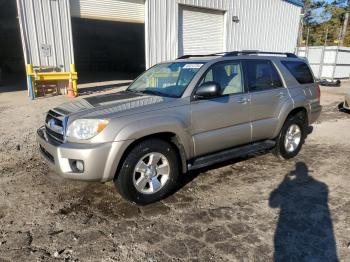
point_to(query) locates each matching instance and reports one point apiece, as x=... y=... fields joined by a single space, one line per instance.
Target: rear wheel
x=149 y=172
x=291 y=137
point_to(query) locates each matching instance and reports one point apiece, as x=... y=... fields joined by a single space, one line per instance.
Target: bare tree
x=345 y=25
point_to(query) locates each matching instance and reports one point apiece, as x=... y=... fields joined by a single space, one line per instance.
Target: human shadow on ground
x=304 y=230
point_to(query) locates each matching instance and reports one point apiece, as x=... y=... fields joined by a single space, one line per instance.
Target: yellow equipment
x=33 y=76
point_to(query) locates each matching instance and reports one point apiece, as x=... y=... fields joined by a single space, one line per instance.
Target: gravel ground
x=251 y=209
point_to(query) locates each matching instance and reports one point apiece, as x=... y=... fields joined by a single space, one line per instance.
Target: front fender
x=159 y=124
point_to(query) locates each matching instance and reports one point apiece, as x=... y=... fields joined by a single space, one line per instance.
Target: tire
x=286 y=150
x=144 y=181
x=342 y=109
x=341 y=106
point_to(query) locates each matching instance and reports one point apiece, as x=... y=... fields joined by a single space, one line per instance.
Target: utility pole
x=307 y=43
x=320 y=69
x=345 y=25
x=301 y=28
x=300 y=34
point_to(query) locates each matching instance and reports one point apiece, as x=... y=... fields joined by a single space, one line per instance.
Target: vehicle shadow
x=304 y=230
x=192 y=175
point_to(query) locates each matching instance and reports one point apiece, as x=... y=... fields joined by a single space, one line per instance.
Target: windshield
x=168 y=79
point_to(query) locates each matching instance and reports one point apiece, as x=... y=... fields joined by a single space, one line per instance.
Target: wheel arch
x=167 y=136
x=301 y=110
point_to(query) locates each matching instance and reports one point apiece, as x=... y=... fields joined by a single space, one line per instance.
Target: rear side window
x=300 y=71
x=261 y=75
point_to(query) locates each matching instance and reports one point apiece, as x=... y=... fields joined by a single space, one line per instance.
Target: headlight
x=86 y=128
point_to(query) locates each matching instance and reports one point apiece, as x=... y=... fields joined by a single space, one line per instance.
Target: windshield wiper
x=132 y=91
x=157 y=93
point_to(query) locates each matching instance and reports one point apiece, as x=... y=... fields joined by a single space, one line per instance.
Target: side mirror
x=208 y=90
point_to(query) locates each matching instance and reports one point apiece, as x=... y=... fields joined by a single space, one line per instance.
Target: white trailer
x=327 y=62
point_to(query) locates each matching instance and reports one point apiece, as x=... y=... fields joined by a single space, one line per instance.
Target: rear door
x=304 y=91
x=222 y=122
x=268 y=95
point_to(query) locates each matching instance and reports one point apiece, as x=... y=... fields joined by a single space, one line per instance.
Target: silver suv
x=183 y=115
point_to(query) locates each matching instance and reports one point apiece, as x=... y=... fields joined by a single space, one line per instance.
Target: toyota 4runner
x=183 y=115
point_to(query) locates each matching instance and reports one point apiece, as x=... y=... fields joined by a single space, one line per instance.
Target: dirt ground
x=252 y=209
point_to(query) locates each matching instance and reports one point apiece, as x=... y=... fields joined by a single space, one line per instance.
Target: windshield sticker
x=192 y=66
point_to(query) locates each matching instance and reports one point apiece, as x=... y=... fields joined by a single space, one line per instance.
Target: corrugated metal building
x=129 y=35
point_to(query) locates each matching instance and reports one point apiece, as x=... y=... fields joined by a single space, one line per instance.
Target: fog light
x=79 y=165
x=76 y=166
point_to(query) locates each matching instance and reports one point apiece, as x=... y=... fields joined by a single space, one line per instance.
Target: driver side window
x=228 y=76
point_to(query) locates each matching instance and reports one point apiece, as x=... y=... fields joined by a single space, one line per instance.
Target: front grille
x=55 y=125
x=54 y=135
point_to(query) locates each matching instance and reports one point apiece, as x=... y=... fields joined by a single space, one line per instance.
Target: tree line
x=325 y=23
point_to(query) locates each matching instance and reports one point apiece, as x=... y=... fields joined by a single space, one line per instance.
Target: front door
x=222 y=122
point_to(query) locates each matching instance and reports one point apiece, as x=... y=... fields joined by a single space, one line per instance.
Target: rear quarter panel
x=306 y=95
x=302 y=96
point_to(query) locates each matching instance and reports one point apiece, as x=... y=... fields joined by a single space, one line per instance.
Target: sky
x=318 y=12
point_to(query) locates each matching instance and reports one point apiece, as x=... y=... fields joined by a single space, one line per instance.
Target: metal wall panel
x=342 y=71
x=329 y=56
x=344 y=56
x=46 y=32
x=314 y=54
x=269 y=25
x=161 y=29
x=161 y=26
x=327 y=71
x=115 y=10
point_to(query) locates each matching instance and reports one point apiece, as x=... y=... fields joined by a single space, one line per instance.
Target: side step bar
x=228 y=154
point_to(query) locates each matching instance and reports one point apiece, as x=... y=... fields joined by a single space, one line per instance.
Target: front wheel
x=149 y=172
x=291 y=138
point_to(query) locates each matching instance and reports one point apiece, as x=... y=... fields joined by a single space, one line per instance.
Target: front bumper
x=100 y=160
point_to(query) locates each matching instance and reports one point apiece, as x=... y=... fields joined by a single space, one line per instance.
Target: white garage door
x=114 y=10
x=201 y=31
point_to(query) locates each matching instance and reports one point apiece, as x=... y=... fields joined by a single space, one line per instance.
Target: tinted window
x=261 y=75
x=228 y=76
x=300 y=71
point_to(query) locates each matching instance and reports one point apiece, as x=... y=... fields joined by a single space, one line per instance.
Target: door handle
x=281 y=94
x=243 y=100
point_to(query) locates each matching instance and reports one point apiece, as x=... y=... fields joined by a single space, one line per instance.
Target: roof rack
x=238 y=53
x=256 y=52
x=188 y=56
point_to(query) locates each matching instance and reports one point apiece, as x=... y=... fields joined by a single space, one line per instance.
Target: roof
x=233 y=55
x=236 y=53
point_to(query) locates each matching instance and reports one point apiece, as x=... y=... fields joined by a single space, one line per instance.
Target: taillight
x=318 y=90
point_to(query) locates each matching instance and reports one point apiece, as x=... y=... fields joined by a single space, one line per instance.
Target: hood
x=106 y=105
